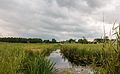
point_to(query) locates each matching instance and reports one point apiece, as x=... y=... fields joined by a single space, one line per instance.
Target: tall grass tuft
x=113 y=63
x=36 y=64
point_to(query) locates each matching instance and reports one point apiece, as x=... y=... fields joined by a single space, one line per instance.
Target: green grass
x=83 y=54
x=102 y=58
x=16 y=57
x=20 y=58
x=10 y=57
x=35 y=64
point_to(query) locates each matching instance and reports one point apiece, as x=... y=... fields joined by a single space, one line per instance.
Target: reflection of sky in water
x=56 y=57
x=62 y=63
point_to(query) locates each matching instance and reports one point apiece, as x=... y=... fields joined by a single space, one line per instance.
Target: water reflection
x=57 y=57
x=63 y=64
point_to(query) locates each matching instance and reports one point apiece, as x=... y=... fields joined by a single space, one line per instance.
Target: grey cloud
x=97 y=3
x=67 y=3
x=60 y=19
x=75 y=5
x=83 y=5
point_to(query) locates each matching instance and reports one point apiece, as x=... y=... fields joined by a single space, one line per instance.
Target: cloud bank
x=60 y=19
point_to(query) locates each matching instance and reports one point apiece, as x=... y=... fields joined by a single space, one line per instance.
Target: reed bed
x=16 y=58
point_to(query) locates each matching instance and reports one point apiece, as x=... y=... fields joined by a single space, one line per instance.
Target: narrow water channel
x=62 y=64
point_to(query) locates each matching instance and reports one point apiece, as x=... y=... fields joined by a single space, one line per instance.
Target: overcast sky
x=60 y=19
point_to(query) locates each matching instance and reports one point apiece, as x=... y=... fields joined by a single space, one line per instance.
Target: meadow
x=31 y=58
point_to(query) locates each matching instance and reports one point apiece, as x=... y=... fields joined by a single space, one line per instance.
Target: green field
x=20 y=58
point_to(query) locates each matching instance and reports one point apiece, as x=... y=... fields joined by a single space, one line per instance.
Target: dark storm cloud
x=60 y=19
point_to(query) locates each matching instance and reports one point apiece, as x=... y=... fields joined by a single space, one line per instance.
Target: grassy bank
x=102 y=58
x=31 y=58
x=25 y=59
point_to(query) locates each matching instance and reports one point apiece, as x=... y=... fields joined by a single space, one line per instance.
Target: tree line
x=26 y=40
x=39 y=40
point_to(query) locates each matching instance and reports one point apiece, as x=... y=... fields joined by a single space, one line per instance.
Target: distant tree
x=83 y=41
x=53 y=41
x=80 y=41
x=106 y=38
x=71 y=41
x=34 y=40
x=98 y=40
x=46 y=41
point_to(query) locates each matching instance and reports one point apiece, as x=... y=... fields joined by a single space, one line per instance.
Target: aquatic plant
x=36 y=64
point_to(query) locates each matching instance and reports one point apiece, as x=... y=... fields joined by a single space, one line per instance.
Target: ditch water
x=63 y=65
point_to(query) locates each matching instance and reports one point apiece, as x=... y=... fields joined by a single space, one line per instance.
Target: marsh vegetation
x=19 y=58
